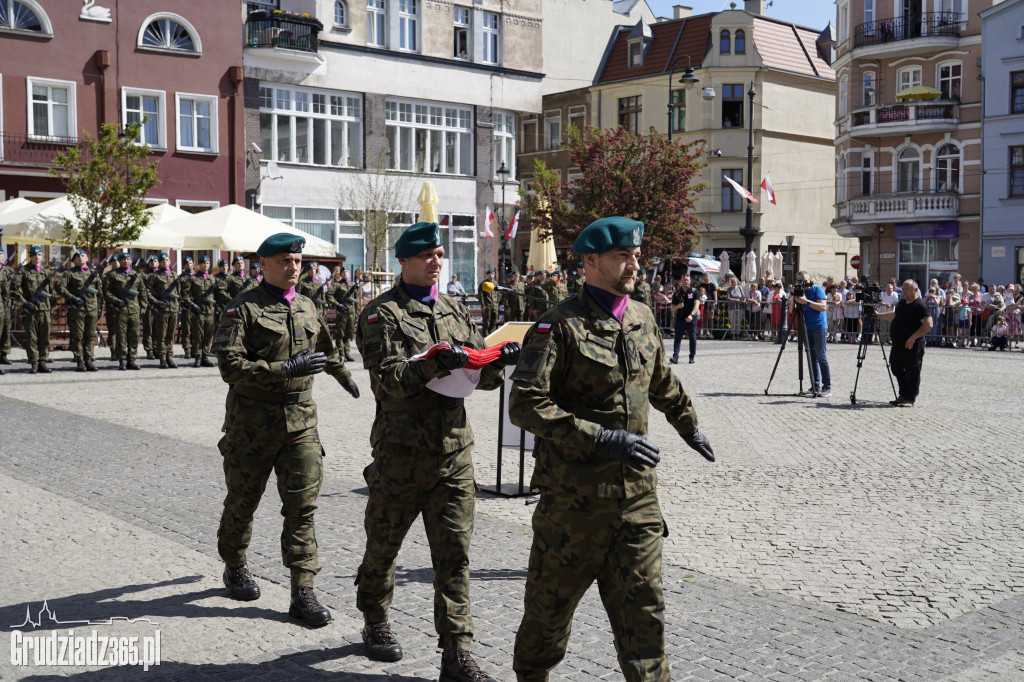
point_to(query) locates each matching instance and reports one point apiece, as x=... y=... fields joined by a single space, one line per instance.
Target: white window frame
x=635 y=54
x=432 y=119
x=907 y=74
x=869 y=88
x=936 y=170
x=552 y=137
x=183 y=204
x=504 y=140
x=897 y=176
x=844 y=23
x=841 y=180
x=844 y=88
x=869 y=16
x=197 y=43
x=578 y=111
x=161 y=105
x=343 y=6
x=461 y=27
x=491 y=35
x=375 y=9
x=959 y=80
x=32 y=81
x=346 y=101
x=44 y=21
x=214 y=101
x=408 y=26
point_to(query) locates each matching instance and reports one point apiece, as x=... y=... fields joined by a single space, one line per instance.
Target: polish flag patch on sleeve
x=229 y=312
x=544 y=328
x=371 y=318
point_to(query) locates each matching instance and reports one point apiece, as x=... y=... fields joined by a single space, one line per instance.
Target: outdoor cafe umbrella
x=542 y=251
x=920 y=92
x=236 y=228
x=428 y=203
x=14 y=205
x=749 y=267
x=724 y=270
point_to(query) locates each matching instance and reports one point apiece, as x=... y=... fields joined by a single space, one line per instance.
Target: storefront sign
x=999 y=252
x=887 y=256
x=935 y=230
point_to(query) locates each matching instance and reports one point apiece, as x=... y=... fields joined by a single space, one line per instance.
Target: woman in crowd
x=976 y=303
x=753 y=305
x=1014 y=304
x=735 y=296
x=834 y=303
x=777 y=301
x=934 y=302
x=952 y=315
x=851 y=311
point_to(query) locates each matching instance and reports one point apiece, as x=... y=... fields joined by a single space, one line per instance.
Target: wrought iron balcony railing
x=289 y=35
x=908 y=27
x=25 y=150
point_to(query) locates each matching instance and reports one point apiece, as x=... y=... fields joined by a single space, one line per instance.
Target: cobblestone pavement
x=830 y=541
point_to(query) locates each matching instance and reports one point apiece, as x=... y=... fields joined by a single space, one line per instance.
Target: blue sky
x=811 y=13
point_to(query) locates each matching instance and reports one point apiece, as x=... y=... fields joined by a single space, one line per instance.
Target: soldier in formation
x=422 y=450
x=592 y=367
x=514 y=299
x=145 y=317
x=270 y=343
x=6 y=283
x=185 y=307
x=309 y=287
x=163 y=287
x=33 y=288
x=121 y=295
x=201 y=294
x=81 y=291
x=344 y=296
x=235 y=282
x=489 y=303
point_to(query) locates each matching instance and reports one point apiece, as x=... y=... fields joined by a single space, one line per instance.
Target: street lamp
x=689 y=78
x=503 y=174
x=749 y=232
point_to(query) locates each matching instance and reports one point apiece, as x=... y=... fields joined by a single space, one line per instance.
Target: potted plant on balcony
x=292 y=17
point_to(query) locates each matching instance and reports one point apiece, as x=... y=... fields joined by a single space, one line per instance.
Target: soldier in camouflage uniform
x=489 y=303
x=642 y=290
x=109 y=311
x=309 y=287
x=270 y=343
x=163 y=290
x=536 y=304
x=83 y=309
x=201 y=292
x=121 y=291
x=575 y=284
x=220 y=291
x=236 y=281
x=514 y=299
x=422 y=445
x=590 y=369
x=185 y=307
x=6 y=276
x=35 y=316
x=343 y=295
x=145 y=312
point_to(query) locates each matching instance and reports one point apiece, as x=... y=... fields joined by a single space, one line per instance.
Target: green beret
x=113 y=258
x=311 y=265
x=238 y=259
x=163 y=254
x=609 y=233
x=221 y=262
x=151 y=258
x=123 y=255
x=515 y=271
x=490 y=271
x=542 y=272
x=204 y=259
x=34 y=250
x=188 y=259
x=282 y=242
x=254 y=266
x=81 y=252
x=417 y=238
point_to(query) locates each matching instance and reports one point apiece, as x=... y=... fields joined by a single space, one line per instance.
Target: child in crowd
x=851 y=311
x=1000 y=334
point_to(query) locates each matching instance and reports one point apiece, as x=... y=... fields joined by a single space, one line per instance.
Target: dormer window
x=636 y=53
x=637 y=42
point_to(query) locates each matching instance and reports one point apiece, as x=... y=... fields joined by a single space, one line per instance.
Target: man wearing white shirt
x=889 y=299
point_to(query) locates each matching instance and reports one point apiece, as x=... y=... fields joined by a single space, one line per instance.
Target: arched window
x=740 y=46
x=24 y=15
x=909 y=171
x=723 y=42
x=169 y=32
x=947 y=169
x=341 y=13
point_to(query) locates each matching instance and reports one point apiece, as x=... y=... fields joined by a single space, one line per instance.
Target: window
x=505 y=143
x=552 y=130
x=197 y=122
x=1017 y=92
x=429 y=138
x=740 y=44
x=869 y=88
x=16 y=15
x=351 y=243
x=843 y=102
x=947 y=169
x=844 y=22
x=578 y=117
x=732 y=201
x=952 y=11
x=341 y=13
x=867 y=180
x=636 y=54
x=407 y=25
x=732 y=106
x=630 y=111
x=1016 y=171
x=841 y=181
x=376 y=27
x=909 y=171
x=52 y=110
x=724 y=40
x=146 y=107
x=318 y=127
x=678 y=110
x=461 y=49
x=169 y=32
x=492 y=43
x=949 y=80
x=529 y=141
x=908 y=78
x=869 y=17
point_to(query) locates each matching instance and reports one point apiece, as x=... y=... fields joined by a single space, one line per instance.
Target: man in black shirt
x=686 y=304
x=911 y=321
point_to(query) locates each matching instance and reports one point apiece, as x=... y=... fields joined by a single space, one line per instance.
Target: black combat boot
x=305 y=606
x=196 y=361
x=349 y=358
x=170 y=362
x=33 y=367
x=131 y=365
x=459 y=666
x=240 y=584
x=4 y=360
x=120 y=365
x=81 y=366
x=43 y=369
x=149 y=355
x=206 y=362
x=89 y=366
x=163 y=363
x=381 y=642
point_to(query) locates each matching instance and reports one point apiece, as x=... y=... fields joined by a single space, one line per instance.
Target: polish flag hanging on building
x=487 y=223
x=513 y=227
x=766 y=185
x=741 y=189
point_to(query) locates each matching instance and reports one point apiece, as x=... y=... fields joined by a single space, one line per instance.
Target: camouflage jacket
x=115 y=287
x=488 y=299
x=220 y=292
x=70 y=284
x=644 y=289
x=157 y=285
x=574 y=284
x=581 y=370
x=337 y=291
x=312 y=290
x=233 y=284
x=537 y=292
x=257 y=333
x=393 y=327
x=512 y=301
x=6 y=280
x=27 y=280
x=199 y=285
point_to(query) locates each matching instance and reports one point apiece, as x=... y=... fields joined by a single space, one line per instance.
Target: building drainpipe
x=236 y=75
x=102 y=60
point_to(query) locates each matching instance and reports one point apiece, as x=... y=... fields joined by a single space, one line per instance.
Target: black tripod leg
x=888 y=370
x=802 y=340
x=785 y=331
x=861 y=354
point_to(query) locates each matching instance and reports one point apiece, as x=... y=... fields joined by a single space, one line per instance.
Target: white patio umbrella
x=749 y=267
x=777 y=265
x=14 y=205
x=41 y=223
x=235 y=228
x=161 y=214
x=724 y=270
x=767 y=264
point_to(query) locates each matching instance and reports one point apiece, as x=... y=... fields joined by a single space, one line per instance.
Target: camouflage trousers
x=344 y=325
x=490 y=320
x=113 y=330
x=202 y=334
x=146 y=319
x=5 y=330
x=163 y=323
x=186 y=332
x=577 y=540
x=255 y=444
x=37 y=335
x=404 y=482
x=127 y=335
x=82 y=329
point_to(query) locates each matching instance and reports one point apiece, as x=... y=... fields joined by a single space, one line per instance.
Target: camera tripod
x=869 y=331
x=803 y=348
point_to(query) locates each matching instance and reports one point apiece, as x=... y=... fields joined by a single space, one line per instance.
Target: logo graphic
x=636 y=236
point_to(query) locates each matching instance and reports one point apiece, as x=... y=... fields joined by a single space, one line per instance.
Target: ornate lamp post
x=503 y=174
x=749 y=232
x=689 y=78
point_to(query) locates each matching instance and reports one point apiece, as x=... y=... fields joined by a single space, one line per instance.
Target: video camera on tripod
x=869 y=295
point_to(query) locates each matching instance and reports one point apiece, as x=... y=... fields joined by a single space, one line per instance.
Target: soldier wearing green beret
x=537 y=303
x=121 y=291
x=344 y=296
x=34 y=276
x=234 y=282
x=422 y=445
x=164 y=297
x=590 y=370
x=575 y=284
x=514 y=298
x=110 y=313
x=202 y=293
x=270 y=343
x=642 y=291
x=185 y=307
x=489 y=303
x=145 y=312
x=309 y=286
x=83 y=309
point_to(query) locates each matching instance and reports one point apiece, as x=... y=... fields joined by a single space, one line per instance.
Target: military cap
x=204 y=259
x=112 y=258
x=123 y=256
x=605 y=234
x=515 y=271
x=580 y=264
x=238 y=259
x=152 y=258
x=254 y=266
x=34 y=250
x=311 y=265
x=490 y=271
x=187 y=259
x=221 y=262
x=417 y=238
x=81 y=252
x=542 y=272
x=164 y=254
x=282 y=242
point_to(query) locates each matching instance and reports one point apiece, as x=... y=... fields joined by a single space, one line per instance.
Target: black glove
x=699 y=442
x=29 y=306
x=196 y=309
x=120 y=303
x=343 y=307
x=639 y=297
x=304 y=363
x=351 y=387
x=452 y=358
x=509 y=354
x=78 y=301
x=160 y=305
x=623 y=446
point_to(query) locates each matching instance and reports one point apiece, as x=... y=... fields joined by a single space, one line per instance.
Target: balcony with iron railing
x=32 y=151
x=284 y=37
x=903 y=34
x=911 y=206
x=904 y=117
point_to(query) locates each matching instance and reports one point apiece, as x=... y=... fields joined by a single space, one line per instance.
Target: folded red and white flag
x=487 y=223
x=460 y=382
x=769 y=191
x=741 y=189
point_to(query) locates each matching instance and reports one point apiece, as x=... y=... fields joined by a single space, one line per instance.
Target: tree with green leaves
x=106 y=179
x=650 y=179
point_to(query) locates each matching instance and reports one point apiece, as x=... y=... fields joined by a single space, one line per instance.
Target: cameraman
x=910 y=322
x=812 y=302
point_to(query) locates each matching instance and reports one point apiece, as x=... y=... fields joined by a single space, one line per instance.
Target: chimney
x=681 y=11
x=755 y=7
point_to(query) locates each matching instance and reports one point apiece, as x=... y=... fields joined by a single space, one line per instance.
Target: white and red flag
x=741 y=189
x=487 y=223
x=510 y=233
x=769 y=191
